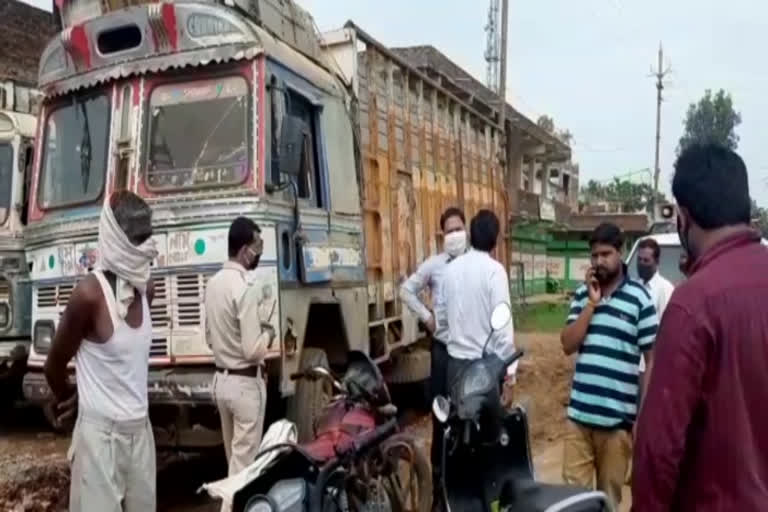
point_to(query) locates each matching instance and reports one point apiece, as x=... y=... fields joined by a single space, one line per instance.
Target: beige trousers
x=242 y=403
x=112 y=465
x=597 y=455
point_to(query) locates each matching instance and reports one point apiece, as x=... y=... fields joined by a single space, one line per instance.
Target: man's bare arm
x=573 y=335
x=74 y=326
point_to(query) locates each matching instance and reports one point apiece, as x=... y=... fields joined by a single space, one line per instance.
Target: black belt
x=251 y=371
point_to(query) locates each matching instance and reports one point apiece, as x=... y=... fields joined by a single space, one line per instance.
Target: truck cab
x=17 y=133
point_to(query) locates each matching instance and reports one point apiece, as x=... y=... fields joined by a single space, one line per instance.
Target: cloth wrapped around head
x=126 y=247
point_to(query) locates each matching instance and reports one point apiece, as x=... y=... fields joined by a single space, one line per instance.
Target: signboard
x=546 y=209
x=578 y=268
x=539 y=266
x=556 y=267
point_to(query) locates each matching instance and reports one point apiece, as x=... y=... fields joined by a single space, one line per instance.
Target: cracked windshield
x=75 y=152
x=198 y=134
x=6 y=179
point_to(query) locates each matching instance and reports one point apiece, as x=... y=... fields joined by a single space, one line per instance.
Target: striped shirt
x=605 y=383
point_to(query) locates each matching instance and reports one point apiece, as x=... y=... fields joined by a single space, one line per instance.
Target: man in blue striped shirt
x=611 y=324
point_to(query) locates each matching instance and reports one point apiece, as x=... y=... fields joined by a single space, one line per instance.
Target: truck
x=342 y=152
x=17 y=131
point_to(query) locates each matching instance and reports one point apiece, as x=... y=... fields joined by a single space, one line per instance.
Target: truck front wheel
x=310 y=397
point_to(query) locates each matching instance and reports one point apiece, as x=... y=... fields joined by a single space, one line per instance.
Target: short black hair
x=609 y=234
x=650 y=243
x=133 y=215
x=484 y=231
x=451 y=212
x=241 y=234
x=711 y=183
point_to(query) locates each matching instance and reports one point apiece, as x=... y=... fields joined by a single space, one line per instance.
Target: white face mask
x=455 y=243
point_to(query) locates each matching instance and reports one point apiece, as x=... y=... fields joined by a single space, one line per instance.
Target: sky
x=587 y=63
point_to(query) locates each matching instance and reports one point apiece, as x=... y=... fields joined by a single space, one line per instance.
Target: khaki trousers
x=112 y=465
x=242 y=403
x=597 y=458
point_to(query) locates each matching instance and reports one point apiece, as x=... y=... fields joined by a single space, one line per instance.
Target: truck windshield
x=198 y=134
x=6 y=175
x=75 y=152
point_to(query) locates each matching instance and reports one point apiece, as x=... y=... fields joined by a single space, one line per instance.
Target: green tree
x=760 y=218
x=632 y=196
x=712 y=120
x=546 y=123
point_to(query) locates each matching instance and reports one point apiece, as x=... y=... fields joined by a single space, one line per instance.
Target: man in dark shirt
x=702 y=440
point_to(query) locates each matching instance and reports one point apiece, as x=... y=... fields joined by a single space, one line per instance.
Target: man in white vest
x=107 y=328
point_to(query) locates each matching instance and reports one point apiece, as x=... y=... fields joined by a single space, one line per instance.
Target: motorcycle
x=479 y=433
x=354 y=462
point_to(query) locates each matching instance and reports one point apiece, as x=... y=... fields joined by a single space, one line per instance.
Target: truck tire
x=410 y=366
x=310 y=397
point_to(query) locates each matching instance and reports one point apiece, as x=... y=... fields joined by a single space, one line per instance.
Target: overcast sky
x=586 y=63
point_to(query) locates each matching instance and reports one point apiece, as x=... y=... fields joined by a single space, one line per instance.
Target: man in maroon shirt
x=702 y=439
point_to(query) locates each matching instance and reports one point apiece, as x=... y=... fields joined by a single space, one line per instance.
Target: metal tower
x=492 y=47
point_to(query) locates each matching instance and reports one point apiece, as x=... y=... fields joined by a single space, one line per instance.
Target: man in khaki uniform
x=239 y=340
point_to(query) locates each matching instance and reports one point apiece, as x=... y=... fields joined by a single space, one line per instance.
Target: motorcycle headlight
x=477 y=380
x=288 y=493
x=259 y=504
x=5 y=315
x=43 y=336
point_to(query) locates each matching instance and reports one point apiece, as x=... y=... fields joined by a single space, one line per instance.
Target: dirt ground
x=34 y=474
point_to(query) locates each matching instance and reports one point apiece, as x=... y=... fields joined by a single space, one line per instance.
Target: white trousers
x=242 y=404
x=113 y=465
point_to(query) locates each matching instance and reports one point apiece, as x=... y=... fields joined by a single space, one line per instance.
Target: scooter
x=352 y=464
x=486 y=462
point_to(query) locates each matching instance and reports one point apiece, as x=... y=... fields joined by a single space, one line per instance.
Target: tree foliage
x=546 y=123
x=631 y=196
x=712 y=120
x=760 y=218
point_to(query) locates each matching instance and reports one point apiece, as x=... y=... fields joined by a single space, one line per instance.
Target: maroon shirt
x=702 y=440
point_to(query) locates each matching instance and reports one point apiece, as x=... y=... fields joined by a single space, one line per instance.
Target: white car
x=669 y=258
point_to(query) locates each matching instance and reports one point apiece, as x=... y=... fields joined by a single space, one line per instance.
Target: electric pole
x=503 y=64
x=659 y=73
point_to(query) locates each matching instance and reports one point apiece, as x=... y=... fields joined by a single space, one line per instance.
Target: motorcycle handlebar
x=377 y=436
x=514 y=357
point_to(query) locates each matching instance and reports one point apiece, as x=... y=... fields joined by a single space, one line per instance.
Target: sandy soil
x=34 y=474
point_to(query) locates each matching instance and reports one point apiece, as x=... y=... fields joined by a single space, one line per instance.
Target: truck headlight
x=5 y=315
x=43 y=336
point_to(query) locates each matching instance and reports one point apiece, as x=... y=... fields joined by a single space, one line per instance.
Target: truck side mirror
x=292 y=138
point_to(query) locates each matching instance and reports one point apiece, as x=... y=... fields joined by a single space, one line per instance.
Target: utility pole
x=659 y=73
x=503 y=64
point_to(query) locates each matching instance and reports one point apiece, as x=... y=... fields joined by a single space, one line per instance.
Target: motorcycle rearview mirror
x=501 y=316
x=441 y=407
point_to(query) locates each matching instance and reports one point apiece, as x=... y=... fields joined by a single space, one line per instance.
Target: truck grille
x=55 y=295
x=5 y=290
x=177 y=304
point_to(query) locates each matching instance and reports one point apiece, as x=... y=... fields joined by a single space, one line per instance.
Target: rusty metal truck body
x=185 y=104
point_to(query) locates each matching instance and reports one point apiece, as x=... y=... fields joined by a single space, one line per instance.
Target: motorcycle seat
x=531 y=496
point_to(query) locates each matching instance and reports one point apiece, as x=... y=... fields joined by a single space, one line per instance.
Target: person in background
x=239 y=338
x=107 y=328
x=611 y=325
x=701 y=440
x=648 y=256
x=430 y=275
x=474 y=285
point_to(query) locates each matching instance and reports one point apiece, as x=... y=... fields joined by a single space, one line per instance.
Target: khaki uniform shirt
x=233 y=324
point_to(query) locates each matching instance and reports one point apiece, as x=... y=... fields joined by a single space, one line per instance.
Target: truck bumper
x=165 y=387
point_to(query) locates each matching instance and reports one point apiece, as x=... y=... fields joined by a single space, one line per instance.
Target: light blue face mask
x=455 y=243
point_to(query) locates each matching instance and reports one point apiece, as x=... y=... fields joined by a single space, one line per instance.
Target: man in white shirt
x=648 y=256
x=239 y=338
x=474 y=284
x=430 y=275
